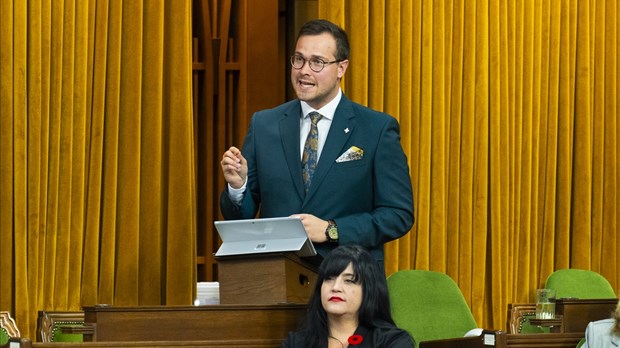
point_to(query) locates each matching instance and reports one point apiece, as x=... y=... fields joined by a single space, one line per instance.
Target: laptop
x=266 y=235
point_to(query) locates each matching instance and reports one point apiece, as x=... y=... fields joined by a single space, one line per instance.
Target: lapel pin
x=346 y=130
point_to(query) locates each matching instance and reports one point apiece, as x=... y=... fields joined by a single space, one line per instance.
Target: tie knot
x=315 y=117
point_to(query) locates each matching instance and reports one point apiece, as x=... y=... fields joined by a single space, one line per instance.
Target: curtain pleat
x=19 y=148
x=96 y=151
x=151 y=178
x=180 y=200
x=129 y=114
x=508 y=113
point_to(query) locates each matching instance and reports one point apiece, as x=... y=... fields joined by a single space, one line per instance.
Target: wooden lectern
x=262 y=298
x=271 y=278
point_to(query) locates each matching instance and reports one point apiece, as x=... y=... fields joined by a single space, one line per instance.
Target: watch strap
x=331 y=232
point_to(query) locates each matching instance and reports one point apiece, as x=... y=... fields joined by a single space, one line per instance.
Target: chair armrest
x=488 y=338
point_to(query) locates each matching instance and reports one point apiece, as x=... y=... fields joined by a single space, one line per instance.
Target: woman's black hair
x=375 y=307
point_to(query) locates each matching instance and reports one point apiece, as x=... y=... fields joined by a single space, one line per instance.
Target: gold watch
x=332 y=231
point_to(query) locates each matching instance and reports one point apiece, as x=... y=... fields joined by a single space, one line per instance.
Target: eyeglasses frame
x=308 y=60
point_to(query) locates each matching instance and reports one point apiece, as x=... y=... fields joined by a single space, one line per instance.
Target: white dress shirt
x=325 y=122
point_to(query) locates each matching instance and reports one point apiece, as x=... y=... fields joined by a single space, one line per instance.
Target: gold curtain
x=508 y=112
x=96 y=152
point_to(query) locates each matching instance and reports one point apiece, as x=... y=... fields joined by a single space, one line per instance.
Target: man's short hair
x=320 y=26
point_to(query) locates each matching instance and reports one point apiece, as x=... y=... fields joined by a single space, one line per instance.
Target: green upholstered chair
x=429 y=305
x=8 y=328
x=519 y=315
x=4 y=336
x=579 y=283
x=50 y=326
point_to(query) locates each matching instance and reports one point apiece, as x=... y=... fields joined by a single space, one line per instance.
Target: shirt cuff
x=236 y=195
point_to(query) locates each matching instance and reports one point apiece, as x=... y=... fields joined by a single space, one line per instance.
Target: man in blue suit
x=346 y=176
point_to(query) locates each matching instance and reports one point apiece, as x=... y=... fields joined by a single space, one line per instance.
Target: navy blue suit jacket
x=370 y=199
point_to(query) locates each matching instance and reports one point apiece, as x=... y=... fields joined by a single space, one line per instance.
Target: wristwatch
x=331 y=232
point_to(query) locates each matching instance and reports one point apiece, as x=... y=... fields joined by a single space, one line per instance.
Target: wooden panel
x=269 y=278
x=239 y=65
x=577 y=313
x=184 y=323
x=573 y=314
x=487 y=339
x=171 y=344
x=545 y=340
x=560 y=340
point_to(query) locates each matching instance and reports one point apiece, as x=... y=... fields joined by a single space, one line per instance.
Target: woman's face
x=340 y=295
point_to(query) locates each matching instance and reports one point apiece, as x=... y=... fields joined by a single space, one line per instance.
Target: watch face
x=333 y=233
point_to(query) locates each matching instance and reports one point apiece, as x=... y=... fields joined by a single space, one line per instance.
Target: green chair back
x=50 y=326
x=59 y=336
x=429 y=305
x=579 y=283
x=4 y=336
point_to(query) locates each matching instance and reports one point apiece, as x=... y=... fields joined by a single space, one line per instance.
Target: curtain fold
x=508 y=114
x=97 y=176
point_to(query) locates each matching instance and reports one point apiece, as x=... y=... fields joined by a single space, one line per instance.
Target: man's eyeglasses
x=316 y=64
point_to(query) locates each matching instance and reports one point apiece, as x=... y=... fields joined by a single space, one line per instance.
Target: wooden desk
x=544 y=340
x=237 y=323
x=487 y=339
x=503 y=340
x=577 y=313
x=559 y=340
x=159 y=344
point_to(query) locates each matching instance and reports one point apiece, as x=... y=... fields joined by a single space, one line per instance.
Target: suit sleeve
x=249 y=204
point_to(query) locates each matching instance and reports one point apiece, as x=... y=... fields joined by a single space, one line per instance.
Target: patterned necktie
x=309 y=158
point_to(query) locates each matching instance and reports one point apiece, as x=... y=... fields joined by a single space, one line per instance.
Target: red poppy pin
x=355 y=340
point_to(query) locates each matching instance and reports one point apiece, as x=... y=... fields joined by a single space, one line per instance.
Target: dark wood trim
x=237 y=70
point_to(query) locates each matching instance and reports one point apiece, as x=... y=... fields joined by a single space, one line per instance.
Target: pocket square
x=354 y=153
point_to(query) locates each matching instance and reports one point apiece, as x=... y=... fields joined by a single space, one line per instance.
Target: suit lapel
x=289 y=131
x=340 y=131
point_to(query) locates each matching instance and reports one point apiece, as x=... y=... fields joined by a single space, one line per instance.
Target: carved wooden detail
x=49 y=322
x=8 y=324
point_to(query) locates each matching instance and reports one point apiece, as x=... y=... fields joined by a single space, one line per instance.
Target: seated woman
x=604 y=333
x=350 y=306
